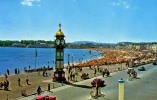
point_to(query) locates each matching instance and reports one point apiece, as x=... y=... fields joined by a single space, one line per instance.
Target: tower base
x=59 y=76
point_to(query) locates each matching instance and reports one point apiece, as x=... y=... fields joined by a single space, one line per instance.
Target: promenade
x=35 y=80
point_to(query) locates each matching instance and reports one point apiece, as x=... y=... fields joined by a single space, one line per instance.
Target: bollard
x=53 y=85
x=49 y=87
x=7 y=97
x=121 y=89
x=62 y=83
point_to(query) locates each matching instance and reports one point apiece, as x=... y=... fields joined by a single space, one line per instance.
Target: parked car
x=155 y=63
x=99 y=81
x=44 y=97
x=141 y=68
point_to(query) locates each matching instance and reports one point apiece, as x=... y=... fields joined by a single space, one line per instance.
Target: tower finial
x=60 y=26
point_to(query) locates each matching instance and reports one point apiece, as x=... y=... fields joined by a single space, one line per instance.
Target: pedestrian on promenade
x=25 y=69
x=103 y=73
x=38 y=73
x=46 y=74
x=19 y=80
x=29 y=67
x=108 y=73
x=71 y=76
x=18 y=71
x=98 y=68
x=15 y=71
x=5 y=76
x=6 y=85
x=39 y=90
x=27 y=79
x=7 y=71
x=95 y=71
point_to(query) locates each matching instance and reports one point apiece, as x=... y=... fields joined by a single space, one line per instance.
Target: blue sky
x=105 y=21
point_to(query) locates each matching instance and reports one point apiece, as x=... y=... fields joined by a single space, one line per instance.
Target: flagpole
x=35 y=57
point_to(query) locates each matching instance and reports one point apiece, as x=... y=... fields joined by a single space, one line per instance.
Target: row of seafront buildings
x=37 y=45
x=138 y=47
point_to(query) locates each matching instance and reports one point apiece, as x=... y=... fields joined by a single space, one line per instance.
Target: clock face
x=57 y=41
x=62 y=41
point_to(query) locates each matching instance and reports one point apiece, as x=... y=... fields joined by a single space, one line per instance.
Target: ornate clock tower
x=59 y=74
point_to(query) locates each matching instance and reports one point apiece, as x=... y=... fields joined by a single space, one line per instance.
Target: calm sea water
x=11 y=58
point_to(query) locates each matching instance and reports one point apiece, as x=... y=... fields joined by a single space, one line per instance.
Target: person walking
x=19 y=80
x=6 y=77
x=7 y=85
x=18 y=71
x=103 y=73
x=27 y=79
x=94 y=71
x=29 y=67
x=108 y=73
x=7 y=71
x=39 y=90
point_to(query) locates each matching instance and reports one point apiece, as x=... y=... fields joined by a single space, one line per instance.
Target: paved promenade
x=141 y=88
x=36 y=80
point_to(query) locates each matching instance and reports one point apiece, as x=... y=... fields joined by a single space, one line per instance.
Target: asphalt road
x=143 y=88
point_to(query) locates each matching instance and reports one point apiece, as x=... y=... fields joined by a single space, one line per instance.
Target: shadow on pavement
x=5 y=90
x=76 y=85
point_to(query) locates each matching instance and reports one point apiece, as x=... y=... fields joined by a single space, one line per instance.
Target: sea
x=11 y=58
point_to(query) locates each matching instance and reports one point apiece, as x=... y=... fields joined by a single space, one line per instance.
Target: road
x=143 y=88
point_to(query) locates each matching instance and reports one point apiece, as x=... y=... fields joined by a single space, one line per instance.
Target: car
x=44 y=97
x=155 y=63
x=141 y=68
x=99 y=81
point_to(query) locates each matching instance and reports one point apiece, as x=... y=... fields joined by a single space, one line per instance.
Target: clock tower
x=59 y=74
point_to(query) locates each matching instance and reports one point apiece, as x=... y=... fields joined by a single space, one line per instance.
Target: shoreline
x=21 y=68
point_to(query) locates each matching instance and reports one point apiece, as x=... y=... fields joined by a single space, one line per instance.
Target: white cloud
x=121 y=3
x=29 y=2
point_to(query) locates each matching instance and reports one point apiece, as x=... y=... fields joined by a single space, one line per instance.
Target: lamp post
x=68 y=65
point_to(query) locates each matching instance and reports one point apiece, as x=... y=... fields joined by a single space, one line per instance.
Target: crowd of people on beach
x=112 y=57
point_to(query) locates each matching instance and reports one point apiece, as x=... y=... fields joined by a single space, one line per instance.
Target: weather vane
x=60 y=26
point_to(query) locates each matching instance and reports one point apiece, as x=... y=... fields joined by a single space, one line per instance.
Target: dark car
x=99 y=81
x=155 y=63
x=141 y=68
